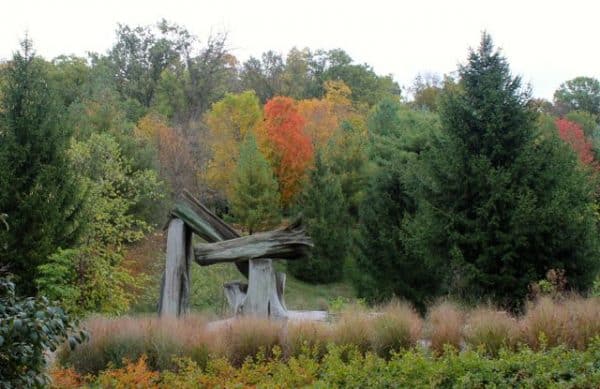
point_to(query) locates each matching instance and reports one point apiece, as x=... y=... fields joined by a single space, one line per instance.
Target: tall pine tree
x=37 y=190
x=325 y=212
x=254 y=199
x=499 y=203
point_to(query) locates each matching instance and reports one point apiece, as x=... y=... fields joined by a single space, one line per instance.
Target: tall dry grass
x=445 y=324
x=242 y=339
x=307 y=337
x=354 y=327
x=491 y=329
x=572 y=321
x=113 y=340
x=398 y=327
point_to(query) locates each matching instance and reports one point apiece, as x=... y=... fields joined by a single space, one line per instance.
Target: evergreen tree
x=255 y=199
x=347 y=158
x=326 y=216
x=386 y=265
x=37 y=190
x=500 y=203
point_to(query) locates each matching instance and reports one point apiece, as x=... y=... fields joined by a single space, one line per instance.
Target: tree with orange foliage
x=287 y=147
x=572 y=133
x=320 y=120
x=323 y=117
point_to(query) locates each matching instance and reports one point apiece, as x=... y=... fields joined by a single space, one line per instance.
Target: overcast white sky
x=546 y=42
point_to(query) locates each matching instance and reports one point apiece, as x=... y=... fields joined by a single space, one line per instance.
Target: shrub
x=491 y=329
x=29 y=328
x=445 y=322
x=132 y=375
x=345 y=366
x=62 y=378
x=397 y=327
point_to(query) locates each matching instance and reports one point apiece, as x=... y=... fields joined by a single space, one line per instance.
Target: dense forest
x=460 y=185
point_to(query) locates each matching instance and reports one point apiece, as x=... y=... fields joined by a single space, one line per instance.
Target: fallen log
x=287 y=243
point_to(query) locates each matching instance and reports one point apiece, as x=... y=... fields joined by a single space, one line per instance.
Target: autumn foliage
x=174 y=153
x=288 y=147
x=572 y=133
x=228 y=121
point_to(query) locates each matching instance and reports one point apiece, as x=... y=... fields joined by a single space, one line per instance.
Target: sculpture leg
x=262 y=298
x=175 y=289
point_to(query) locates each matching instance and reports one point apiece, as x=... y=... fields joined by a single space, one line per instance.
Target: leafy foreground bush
x=28 y=329
x=346 y=366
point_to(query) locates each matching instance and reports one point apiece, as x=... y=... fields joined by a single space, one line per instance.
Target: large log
x=206 y=224
x=287 y=243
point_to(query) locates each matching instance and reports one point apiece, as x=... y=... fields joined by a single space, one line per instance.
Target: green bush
x=346 y=366
x=28 y=329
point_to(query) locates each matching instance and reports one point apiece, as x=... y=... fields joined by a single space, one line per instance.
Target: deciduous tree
x=572 y=134
x=580 y=93
x=229 y=121
x=287 y=146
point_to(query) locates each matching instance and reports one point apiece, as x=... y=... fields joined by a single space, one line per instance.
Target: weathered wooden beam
x=206 y=224
x=175 y=286
x=224 y=230
x=287 y=243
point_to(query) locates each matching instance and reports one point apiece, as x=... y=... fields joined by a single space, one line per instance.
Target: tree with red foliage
x=287 y=147
x=572 y=133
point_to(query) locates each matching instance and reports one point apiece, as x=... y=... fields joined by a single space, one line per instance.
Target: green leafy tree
x=142 y=53
x=426 y=90
x=255 y=202
x=368 y=88
x=38 y=191
x=325 y=212
x=578 y=94
x=264 y=76
x=499 y=202
x=92 y=276
x=387 y=264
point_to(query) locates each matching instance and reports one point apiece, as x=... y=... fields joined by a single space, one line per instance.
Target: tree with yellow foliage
x=229 y=120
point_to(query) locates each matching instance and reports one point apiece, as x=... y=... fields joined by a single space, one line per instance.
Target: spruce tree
x=255 y=201
x=386 y=264
x=499 y=202
x=325 y=213
x=37 y=191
